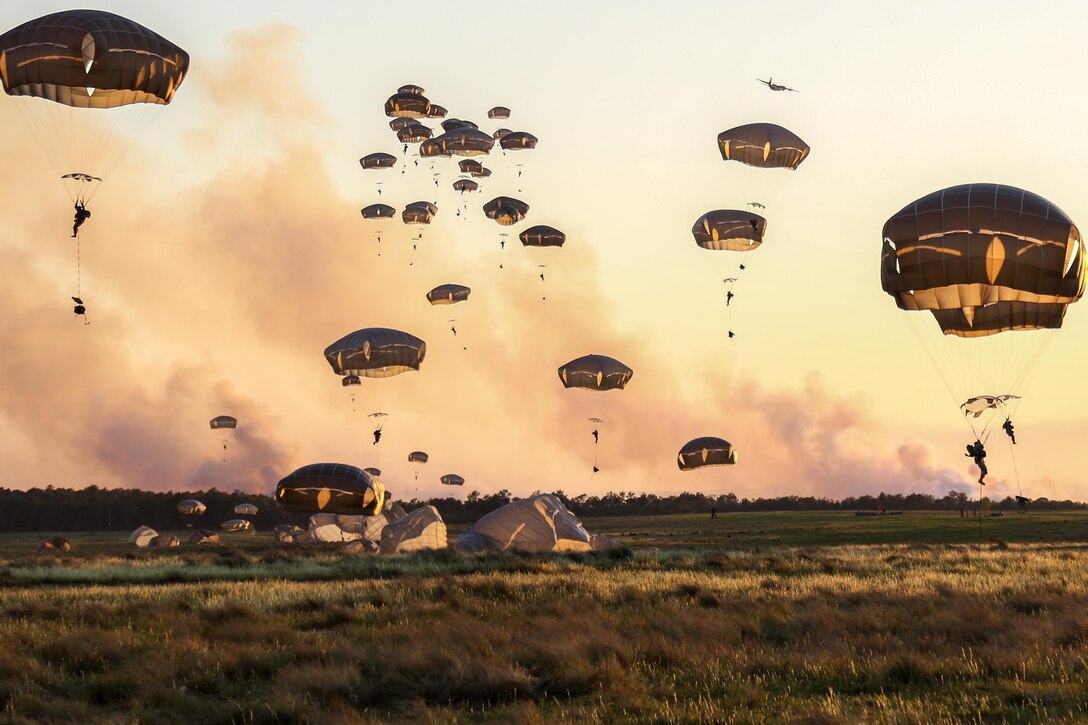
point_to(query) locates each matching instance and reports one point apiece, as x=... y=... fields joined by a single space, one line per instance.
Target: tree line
x=124 y=509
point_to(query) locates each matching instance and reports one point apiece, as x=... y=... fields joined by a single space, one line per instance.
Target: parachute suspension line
x=79 y=290
x=1015 y=469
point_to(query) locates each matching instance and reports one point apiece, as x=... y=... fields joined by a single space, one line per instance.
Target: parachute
x=764 y=145
x=407 y=105
x=437 y=112
x=465 y=142
x=245 y=509
x=335 y=488
x=500 y=133
x=463 y=185
x=397 y=124
x=538 y=524
x=499 y=112
x=472 y=167
x=453 y=124
x=517 y=141
x=225 y=422
x=432 y=148
x=595 y=372
x=236 y=525
x=418 y=457
x=419 y=212
x=191 y=507
x=705 y=452
x=411 y=88
x=729 y=230
x=374 y=472
x=378 y=160
x=506 y=210
x=414 y=133
x=448 y=294
x=422 y=529
x=378 y=211
x=995 y=267
x=542 y=236
x=376 y=352
x=452 y=479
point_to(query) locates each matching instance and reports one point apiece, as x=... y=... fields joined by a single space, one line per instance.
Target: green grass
x=749 y=618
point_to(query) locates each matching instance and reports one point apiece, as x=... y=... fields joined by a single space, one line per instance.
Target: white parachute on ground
x=419 y=530
x=142 y=536
x=236 y=525
x=538 y=524
x=164 y=541
x=340 y=528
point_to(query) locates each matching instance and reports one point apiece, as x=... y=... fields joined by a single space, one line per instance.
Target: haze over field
x=226 y=251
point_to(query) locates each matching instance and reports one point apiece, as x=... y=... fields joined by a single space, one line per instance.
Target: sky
x=226 y=250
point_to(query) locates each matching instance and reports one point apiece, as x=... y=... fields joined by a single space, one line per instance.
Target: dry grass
x=895 y=634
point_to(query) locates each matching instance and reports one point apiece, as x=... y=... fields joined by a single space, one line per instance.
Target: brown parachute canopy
x=1001 y=317
x=90 y=59
x=191 y=507
x=398 y=123
x=452 y=479
x=707 y=451
x=378 y=160
x=349 y=380
x=411 y=88
x=518 y=140
x=378 y=211
x=448 y=294
x=506 y=210
x=223 y=421
x=500 y=133
x=729 y=230
x=376 y=352
x=335 y=488
x=414 y=133
x=418 y=457
x=500 y=112
x=969 y=247
x=471 y=167
x=452 y=124
x=437 y=112
x=465 y=142
x=463 y=185
x=542 y=236
x=419 y=212
x=595 y=372
x=433 y=148
x=764 y=145
x=407 y=105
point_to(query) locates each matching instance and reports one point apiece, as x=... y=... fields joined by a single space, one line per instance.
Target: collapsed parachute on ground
x=448 y=294
x=378 y=211
x=55 y=543
x=506 y=210
x=452 y=479
x=236 y=525
x=704 y=452
x=376 y=352
x=542 y=236
x=142 y=536
x=335 y=488
x=191 y=507
x=419 y=212
x=595 y=372
x=538 y=524
x=164 y=541
x=729 y=230
x=421 y=529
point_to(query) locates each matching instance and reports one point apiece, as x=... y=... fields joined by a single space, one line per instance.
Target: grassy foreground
x=786 y=620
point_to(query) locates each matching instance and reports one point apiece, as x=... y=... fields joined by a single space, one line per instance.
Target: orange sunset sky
x=226 y=250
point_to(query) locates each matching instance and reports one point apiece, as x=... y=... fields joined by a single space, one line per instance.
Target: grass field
x=800 y=617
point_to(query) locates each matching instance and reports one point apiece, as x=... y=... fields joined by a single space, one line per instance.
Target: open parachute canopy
x=335 y=488
x=432 y=148
x=378 y=211
x=765 y=145
x=500 y=112
x=463 y=185
x=418 y=457
x=448 y=294
x=704 y=452
x=452 y=479
x=452 y=124
x=223 y=421
x=245 y=509
x=191 y=507
x=414 y=133
x=419 y=212
x=595 y=372
x=437 y=112
x=995 y=267
x=729 y=230
x=90 y=59
x=542 y=236
x=407 y=105
x=349 y=380
x=506 y=210
x=517 y=141
x=465 y=142
x=378 y=160
x=376 y=352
